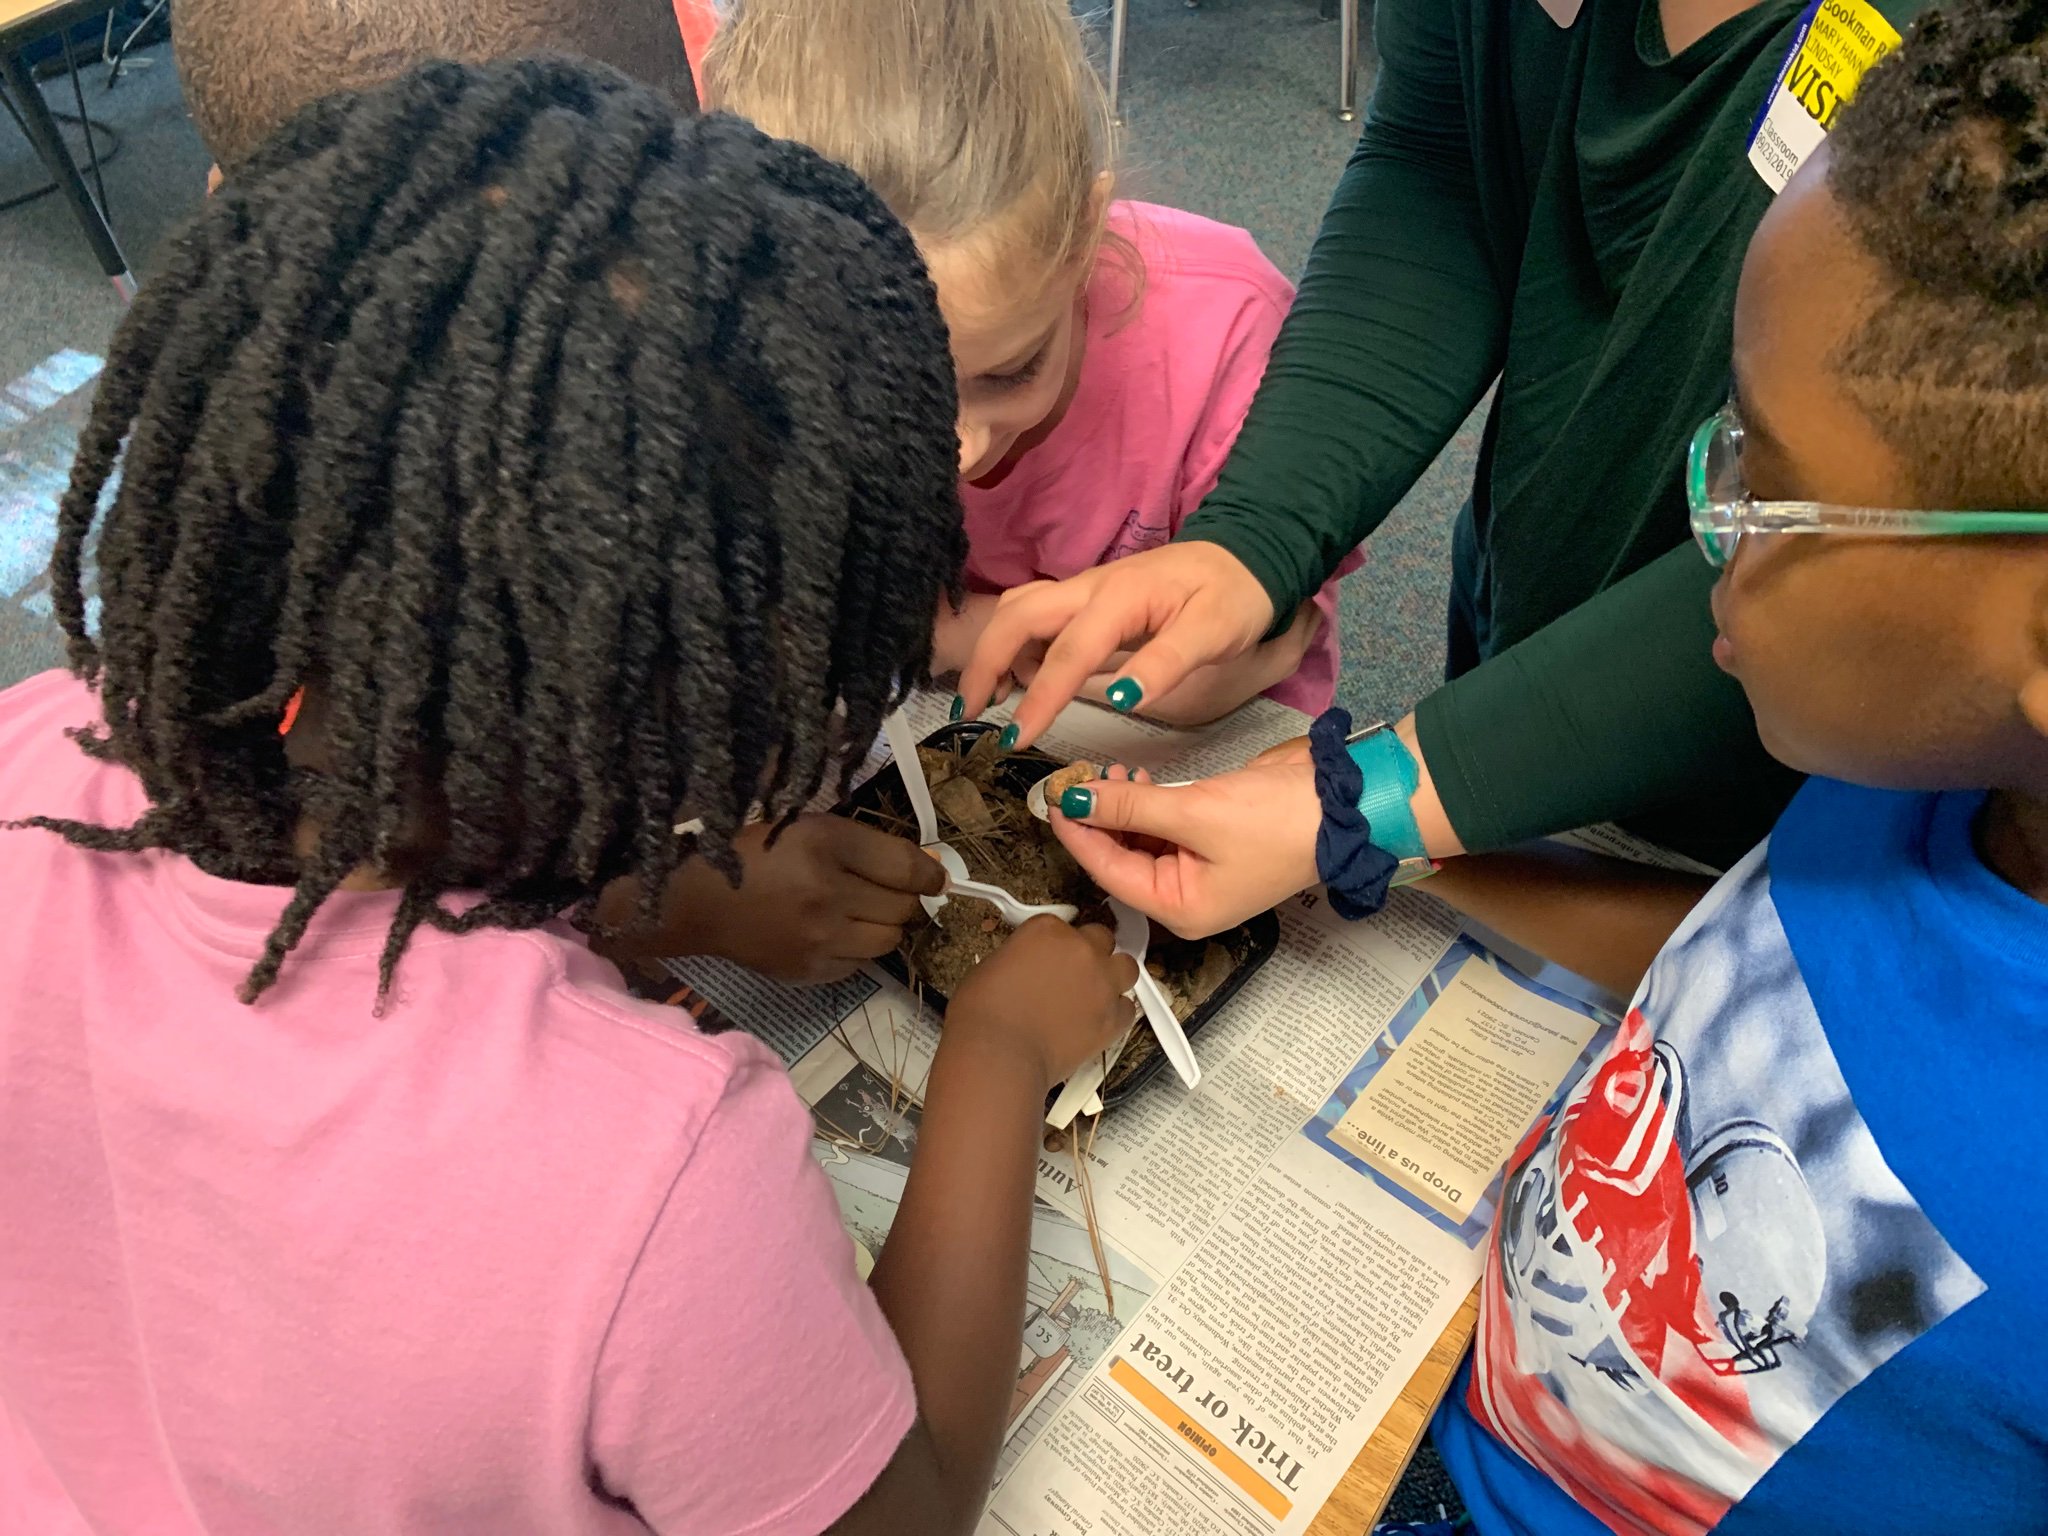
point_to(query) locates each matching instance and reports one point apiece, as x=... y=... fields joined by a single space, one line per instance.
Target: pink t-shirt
x=524 y=1255
x=1163 y=391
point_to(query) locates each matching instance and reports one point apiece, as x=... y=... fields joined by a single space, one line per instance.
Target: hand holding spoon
x=903 y=747
x=1036 y=799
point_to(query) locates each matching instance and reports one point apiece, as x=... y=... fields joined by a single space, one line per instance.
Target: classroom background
x=1228 y=108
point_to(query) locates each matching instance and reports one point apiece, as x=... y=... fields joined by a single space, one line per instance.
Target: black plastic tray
x=1258 y=937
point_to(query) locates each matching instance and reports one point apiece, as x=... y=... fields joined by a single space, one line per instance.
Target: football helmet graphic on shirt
x=1745 y=1184
x=1693 y=1253
x=1651 y=1253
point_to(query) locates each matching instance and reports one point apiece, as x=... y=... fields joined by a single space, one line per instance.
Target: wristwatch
x=1390 y=777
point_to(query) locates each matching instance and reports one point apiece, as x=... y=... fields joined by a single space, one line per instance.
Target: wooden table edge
x=1361 y=1495
x=23 y=21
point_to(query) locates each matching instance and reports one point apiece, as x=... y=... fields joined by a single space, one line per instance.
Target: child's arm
x=747 y=1379
x=950 y=1279
x=1604 y=918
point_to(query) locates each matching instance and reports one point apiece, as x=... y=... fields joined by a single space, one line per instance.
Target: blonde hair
x=981 y=123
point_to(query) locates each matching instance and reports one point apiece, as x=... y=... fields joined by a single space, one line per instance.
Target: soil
x=993 y=829
x=1081 y=772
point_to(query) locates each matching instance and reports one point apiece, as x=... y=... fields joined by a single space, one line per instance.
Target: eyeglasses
x=1723 y=510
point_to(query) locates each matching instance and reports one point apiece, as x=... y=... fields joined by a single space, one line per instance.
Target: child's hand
x=955 y=635
x=1053 y=994
x=828 y=895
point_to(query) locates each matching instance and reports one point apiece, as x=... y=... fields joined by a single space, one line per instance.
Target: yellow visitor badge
x=1837 y=41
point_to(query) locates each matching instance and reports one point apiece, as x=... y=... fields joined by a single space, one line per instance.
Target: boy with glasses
x=1776 y=1266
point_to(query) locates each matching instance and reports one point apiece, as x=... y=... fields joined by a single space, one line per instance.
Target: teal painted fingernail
x=1124 y=695
x=957 y=708
x=1077 y=802
x=1009 y=737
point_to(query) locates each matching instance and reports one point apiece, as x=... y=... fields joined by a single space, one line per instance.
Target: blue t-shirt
x=1777 y=1265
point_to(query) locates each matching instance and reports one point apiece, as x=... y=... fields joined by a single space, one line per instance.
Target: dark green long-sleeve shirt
x=1564 y=211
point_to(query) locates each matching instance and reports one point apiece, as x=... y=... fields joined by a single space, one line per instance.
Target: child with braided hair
x=472 y=433
x=826 y=894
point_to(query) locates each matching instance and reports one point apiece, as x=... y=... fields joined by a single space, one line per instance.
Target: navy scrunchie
x=1356 y=871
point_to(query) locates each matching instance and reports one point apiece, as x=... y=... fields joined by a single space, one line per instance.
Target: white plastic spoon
x=902 y=739
x=1082 y=1094
x=903 y=747
x=1133 y=938
x=1012 y=911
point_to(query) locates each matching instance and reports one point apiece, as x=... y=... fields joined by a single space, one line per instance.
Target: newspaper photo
x=1230 y=1286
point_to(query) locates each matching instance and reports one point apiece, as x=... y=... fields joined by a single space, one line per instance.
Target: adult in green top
x=1559 y=211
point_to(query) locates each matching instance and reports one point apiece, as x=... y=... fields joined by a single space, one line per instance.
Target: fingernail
x=957 y=708
x=1124 y=695
x=1077 y=802
x=1009 y=737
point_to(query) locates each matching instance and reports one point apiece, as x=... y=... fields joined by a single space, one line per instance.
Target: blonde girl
x=1106 y=350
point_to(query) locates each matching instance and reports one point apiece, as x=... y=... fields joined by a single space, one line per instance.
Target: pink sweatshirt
x=1163 y=392
x=524 y=1255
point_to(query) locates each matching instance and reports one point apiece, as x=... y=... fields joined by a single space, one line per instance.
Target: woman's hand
x=1052 y=994
x=1209 y=693
x=1198 y=857
x=1182 y=606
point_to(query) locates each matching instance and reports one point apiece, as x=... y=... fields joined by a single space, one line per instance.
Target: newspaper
x=1280 y=1247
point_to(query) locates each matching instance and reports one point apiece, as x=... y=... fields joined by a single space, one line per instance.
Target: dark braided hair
x=585 y=460
x=1940 y=165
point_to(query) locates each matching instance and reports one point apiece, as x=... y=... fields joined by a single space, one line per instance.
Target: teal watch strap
x=1391 y=777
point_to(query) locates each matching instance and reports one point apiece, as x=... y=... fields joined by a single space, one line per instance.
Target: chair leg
x=1347 y=62
x=119 y=60
x=1119 y=13
x=49 y=145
